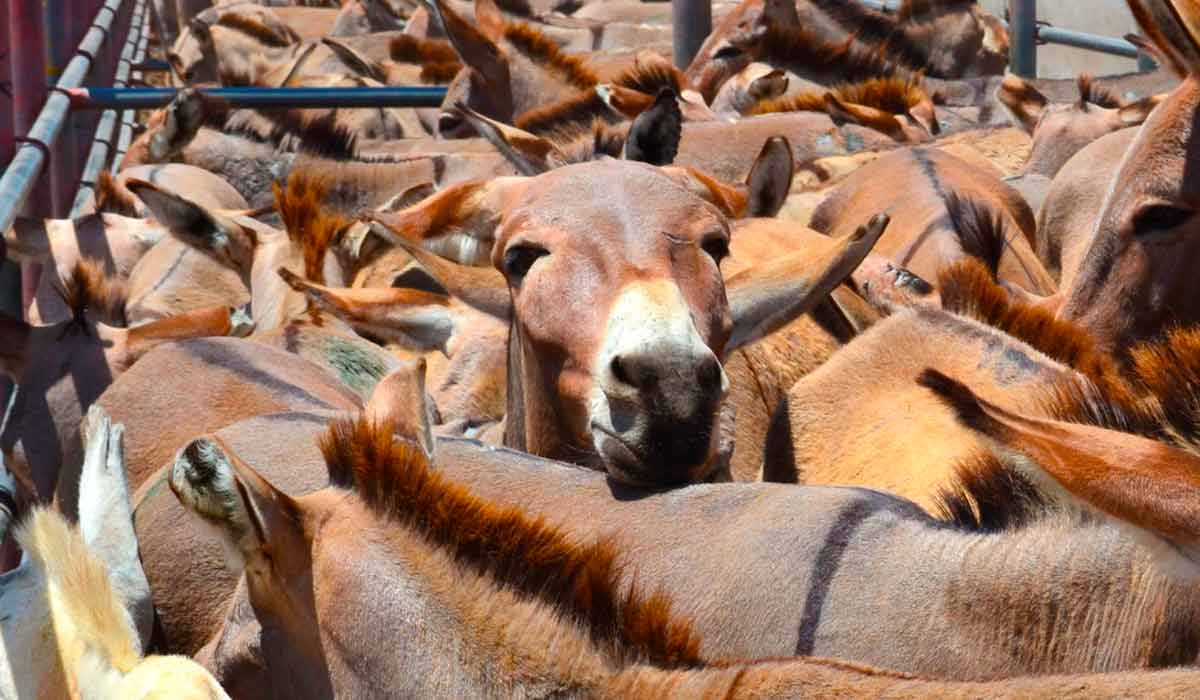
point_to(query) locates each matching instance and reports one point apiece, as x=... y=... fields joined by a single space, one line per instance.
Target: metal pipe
x=1022 y=37
x=691 y=22
x=28 y=65
x=102 y=142
x=1091 y=42
x=129 y=116
x=18 y=180
x=152 y=98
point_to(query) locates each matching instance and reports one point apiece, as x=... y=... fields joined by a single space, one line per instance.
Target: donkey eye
x=448 y=122
x=727 y=53
x=1159 y=218
x=518 y=260
x=717 y=248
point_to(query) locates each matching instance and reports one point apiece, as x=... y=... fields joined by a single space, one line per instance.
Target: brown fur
x=521 y=8
x=114 y=199
x=968 y=288
x=987 y=496
x=892 y=94
x=320 y=136
x=411 y=49
x=911 y=10
x=802 y=46
x=652 y=77
x=308 y=226
x=566 y=117
x=527 y=554
x=538 y=48
x=1092 y=92
x=439 y=73
x=874 y=28
x=1169 y=370
x=253 y=28
x=89 y=288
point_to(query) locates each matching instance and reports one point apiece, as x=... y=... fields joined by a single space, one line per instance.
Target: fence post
x=1022 y=36
x=28 y=61
x=10 y=274
x=692 y=23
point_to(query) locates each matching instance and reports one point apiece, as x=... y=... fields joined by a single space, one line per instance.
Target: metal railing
x=1025 y=34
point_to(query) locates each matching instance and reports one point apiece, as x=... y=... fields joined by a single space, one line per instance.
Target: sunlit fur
x=89 y=289
x=521 y=552
x=309 y=226
x=896 y=95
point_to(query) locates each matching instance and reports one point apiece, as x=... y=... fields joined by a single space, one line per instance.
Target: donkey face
x=1137 y=276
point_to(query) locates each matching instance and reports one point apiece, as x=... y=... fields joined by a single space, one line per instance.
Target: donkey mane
x=1092 y=92
x=875 y=28
x=89 y=287
x=802 y=46
x=540 y=49
x=910 y=10
x=114 y=199
x=411 y=49
x=987 y=496
x=969 y=289
x=521 y=8
x=308 y=225
x=439 y=73
x=254 y=29
x=651 y=78
x=526 y=554
x=320 y=136
x=87 y=614
x=895 y=95
x=567 y=117
x=1169 y=371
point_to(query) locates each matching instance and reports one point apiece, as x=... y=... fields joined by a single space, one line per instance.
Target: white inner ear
x=461 y=247
x=215 y=497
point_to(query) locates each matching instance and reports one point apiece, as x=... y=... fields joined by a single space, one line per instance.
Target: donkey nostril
x=618 y=370
x=708 y=374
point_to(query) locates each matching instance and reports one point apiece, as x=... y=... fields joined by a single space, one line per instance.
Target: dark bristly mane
x=319 y=136
x=914 y=10
x=981 y=228
x=895 y=95
x=651 y=78
x=253 y=28
x=520 y=8
x=569 y=116
x=526 y=554
x=987 y=496
x=439 y=73
x=89 y=288
x=968 y=288
x=540 y=49
x=1092 y=92
x=1169 y=370
x=411 y=49
x=877 y=29
x=847 y=60
x=308 y=225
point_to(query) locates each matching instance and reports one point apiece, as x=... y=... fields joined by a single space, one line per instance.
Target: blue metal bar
x=19 y=178
x=102 y=142
x=151 y=98
x=1022 y=37
x=1091 y=42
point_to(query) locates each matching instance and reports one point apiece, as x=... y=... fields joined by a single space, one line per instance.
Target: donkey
x=627 y=379
x=77 y=611
x=560 y=621
x=1132 y=282
x=60 y=369
x=1018 y=589
x=949 y=210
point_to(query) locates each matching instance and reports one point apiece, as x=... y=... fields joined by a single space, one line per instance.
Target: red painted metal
x=28 y=41
x=6 y=106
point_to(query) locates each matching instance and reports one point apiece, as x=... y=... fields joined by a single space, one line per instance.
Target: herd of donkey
x=838 y=364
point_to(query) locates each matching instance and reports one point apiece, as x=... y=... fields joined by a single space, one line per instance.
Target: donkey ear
x=14 y=345
x=106 y=518
x=354 y=60
x=418 y=320
x=1174 y=27
x=530 y=154
x=27 y=240
x=489 y=19
x=214 y=483
x=1135 y=113
x=766 y=87
x=400 y=398
x=184 y=117
x=1023 y=101
x=654 y=136
x=1135 y=480
x=203 y=229
x=877 y=119
x=770 y=178
x=768 y=296
x=482 y=288
x=208 y=322
x=476 y=50
x=459 y=222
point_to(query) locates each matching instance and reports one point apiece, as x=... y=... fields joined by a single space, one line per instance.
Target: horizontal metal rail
x=19 y=178
x=151 y=98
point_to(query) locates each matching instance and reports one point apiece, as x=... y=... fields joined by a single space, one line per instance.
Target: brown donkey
x=618 y=314
x=1136 y=278
x=1042 y=593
